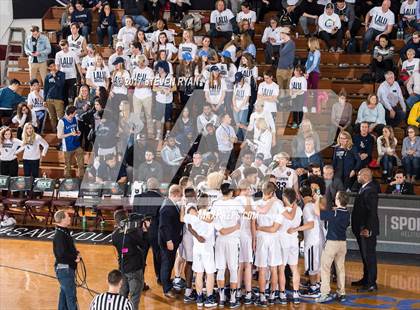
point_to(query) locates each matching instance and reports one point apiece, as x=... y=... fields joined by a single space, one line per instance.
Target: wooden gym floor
x=26 y=281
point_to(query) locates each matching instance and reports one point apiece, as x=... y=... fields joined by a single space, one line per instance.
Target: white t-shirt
x=127 y=36
x=168 y=47
x=285 y=178
x=120 y=80
x=156 y=33
x=88 y=61
x=268 y=117
x=411 y=66
x=270 y=33
x=144 y=76
x=8 y=149
x=228 y=75
x=167 y=83
x=98 y=76
x=299 y=83
x=215 y=93
x=232 y=50
x=222 y=19
x=36 y=103
x=251 y=17
x=408 y=10
x=247 y=73
x=287 y=240
x=227 y=214
x=240 y=93
x=271 y=89
x=272 y=216
x=312 y=236
x=381 y=20
x=67 y=63
x=76 y=45
x=187 y=48
x=328 y=22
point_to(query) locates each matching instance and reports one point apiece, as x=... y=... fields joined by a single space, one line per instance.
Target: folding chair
x=42 y=196
x=20 y=190
x=4 y=189
x=67 y=194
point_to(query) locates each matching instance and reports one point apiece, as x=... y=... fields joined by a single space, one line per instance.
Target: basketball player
x=286 y=177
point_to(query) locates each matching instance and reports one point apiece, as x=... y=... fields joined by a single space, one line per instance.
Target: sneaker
x=294 y=126
x=178 y=284
x=221 y=304
x=191 y=298
x=282 y=299
x=341 y=298
x=324 y=299
x=296 y=298
x=332 y=49
x=210 y=302
x=261 y=303
x=233 y=305
x=311 y=293
x=340 y=50
x=313 y=110
x=199 y=300
x=248 y=301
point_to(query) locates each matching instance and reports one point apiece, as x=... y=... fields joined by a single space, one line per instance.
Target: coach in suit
x=365 y=227
x=170 y=236
x=149 y=203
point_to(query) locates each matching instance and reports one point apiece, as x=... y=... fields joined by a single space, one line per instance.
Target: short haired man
x=400 y=186
x=37 y=48
x=112 y=300
x=9 y=98
x=54 y=93
x=68 y=132
x=66 y=259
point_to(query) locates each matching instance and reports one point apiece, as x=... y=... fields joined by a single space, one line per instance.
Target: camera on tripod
x=134 y=221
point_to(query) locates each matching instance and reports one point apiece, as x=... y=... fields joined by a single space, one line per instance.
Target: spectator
x=372 y=113
x=185 y=77
x=222 y=22
x=135 y=50
x=249 y=15
x=298 y=87
x=312 y=71
x=208 y=145
x=301 y=164
x=65 y=21
x=414 y=116
x=329 y=25
x=413 y=43
x=206 y=47
x=83 y=17
x=349 y=22
x=205 y=118
x=107 y=25
x=178 y=8
x=54 y=93
x=89 y=60
x=411 y=154
x=163 y=44
x=196 y=167
x=149 y=169
x=332 y=185
x=228 y=71
x=112 y=170
x=380 y=20
x=91 y=121
x=390 y=96
x=24 y=115
x=77 y=43
x=364 y=144
x=171 y=157
x=68 y=132
x=146 y=45
x=262 y=142
x=298 y=143
x=226 y=137
x=9 y=98
x=387 y=155
x=127 y=34
x=97 y=75
x=247 y=46
x=240 y=104
x=82 y=102
x=36 y=103
x=286 y=59
x=268 y=93
x=341 y=115
x=309 y=11
x=272 y=41
x=161 y=26
x=119 y=89
x=37 y=48
x=112 y=296
x=383 y=54
x=249 y=70
x=8 y=146
x=346 y=160
x=31 y=152
x=411 y=64
x=408 y=14
x=215 y=90
x=400 y=185
x=119 y=52
x=413 y=88
x=68 y=62
x=187 y=45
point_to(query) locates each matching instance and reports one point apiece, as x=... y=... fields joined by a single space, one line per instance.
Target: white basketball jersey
x=285 y=178
x=76 y=45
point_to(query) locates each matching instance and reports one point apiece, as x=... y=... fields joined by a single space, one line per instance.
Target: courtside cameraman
x=130 y=245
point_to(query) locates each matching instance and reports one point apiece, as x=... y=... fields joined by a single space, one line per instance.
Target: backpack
x=191 y=21
x=352 y=46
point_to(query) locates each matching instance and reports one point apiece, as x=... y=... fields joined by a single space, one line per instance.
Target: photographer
x=130 y=243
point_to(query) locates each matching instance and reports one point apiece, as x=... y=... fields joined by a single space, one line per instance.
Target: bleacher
x=338 y=71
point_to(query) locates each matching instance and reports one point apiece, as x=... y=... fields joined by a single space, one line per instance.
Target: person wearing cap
x=185 y=77
x=187 y=45
x=215 y=90
x=37 y=48
x=164 y=86
x=272 y=41
x=222 y=22
x=329 y=25
x=240 y=103
x=77 y=42
x=107 y=25
x=228 y=71
x=119 y=52
x=287 y=52
x=142 y=98
x=120 y=80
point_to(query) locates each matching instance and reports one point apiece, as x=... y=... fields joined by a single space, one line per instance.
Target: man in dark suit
x=332 y=185
x=149 y=203
x=365 y=226
x=170 y=236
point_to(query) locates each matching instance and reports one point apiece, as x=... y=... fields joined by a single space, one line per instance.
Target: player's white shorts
x=203 y=261
x=268 y=251
x=245 y=252
x=290 y=256
x=186 y=247
x=227 y=253
x=313 y=259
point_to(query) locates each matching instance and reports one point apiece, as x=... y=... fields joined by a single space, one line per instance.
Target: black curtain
x=33 y=8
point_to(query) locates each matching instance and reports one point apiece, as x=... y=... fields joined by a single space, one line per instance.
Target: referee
x=66 y=259
x=112 y=300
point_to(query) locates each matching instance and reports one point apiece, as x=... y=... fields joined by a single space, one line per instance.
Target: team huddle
x=228 y=232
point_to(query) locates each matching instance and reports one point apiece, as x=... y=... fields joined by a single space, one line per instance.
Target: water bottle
x=400 y=33
x=84 y=222
x=102 y=225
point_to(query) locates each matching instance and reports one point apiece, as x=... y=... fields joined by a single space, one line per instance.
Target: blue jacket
x=304 y=162
x=84 y=17
x=313 y=61
x=54 y=86
x=364 y=144
x=43 y=46
x=350 y=161
x=9 y=99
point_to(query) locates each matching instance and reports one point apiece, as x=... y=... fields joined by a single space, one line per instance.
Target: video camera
x=134 y=221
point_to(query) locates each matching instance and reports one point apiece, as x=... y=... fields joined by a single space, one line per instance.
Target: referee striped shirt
x=110 y=301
